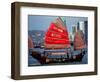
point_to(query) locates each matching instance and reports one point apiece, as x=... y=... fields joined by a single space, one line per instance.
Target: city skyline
x=36 y=22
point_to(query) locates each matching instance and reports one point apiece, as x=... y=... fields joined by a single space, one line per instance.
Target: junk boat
x=57 y=45
x=79 y=45
x=57 y=42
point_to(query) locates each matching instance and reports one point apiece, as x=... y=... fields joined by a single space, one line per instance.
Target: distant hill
x=37 y=36
x=34 y=32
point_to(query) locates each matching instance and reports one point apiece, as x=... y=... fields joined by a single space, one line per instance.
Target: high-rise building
x=86 y=31
x=83 y=26
x=74 y=30
x=70 y=37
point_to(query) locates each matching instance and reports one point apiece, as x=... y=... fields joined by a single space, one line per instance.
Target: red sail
x=57 y=35
x=53 y=31
x=79 y=42
x=30 y=43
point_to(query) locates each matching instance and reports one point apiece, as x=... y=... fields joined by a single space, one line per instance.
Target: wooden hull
x=46 y=60
x=56 y=46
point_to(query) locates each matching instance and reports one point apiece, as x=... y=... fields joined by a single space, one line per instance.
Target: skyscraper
x=86 y=31
x=83 y=26
x=74 y=30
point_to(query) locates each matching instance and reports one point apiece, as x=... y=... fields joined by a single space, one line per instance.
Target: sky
x=40 y=22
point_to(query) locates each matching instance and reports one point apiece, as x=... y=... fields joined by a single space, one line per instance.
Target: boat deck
x=32 y=61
